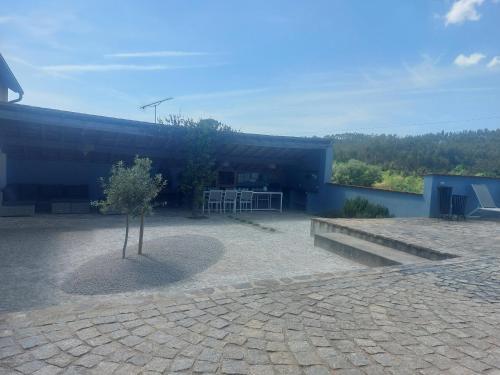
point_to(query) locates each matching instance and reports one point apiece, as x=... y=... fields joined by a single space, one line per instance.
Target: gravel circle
x=165 y=260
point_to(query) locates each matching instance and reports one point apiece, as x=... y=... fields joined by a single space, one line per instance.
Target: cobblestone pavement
x=471 y=237
x=433 y=318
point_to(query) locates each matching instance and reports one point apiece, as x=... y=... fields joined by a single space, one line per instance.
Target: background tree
x=355 y=172
x=201 y=139
x=131 y=190
x=473 y=152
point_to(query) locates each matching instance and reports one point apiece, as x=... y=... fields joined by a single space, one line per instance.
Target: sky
x=283 y=67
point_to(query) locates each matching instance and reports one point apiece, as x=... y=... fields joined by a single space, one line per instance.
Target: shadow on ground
x=165 y=260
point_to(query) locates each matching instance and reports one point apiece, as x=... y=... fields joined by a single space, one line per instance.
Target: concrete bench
x=70 y=207
x=21 y=210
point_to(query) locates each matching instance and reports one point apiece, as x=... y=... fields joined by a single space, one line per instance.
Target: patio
x=313 y=314
x=50 y=259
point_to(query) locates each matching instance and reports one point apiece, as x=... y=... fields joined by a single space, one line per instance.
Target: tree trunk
x=141 y=234
x=126 y=237
x=195 y=203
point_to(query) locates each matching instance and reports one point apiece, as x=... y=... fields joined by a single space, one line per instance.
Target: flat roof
x=33 y=132
x=49 y=116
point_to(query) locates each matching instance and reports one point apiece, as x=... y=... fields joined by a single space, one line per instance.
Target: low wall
x=332 y=197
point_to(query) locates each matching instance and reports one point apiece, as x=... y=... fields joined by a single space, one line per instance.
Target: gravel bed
x=166 y=260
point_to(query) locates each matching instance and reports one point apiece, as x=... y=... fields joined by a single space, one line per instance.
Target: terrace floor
x=436 y=317
x=49 y=259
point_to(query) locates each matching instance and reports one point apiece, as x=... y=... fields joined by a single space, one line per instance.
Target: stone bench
x=70 y=207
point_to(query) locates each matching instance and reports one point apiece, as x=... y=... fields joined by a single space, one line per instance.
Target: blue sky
x=278 y=67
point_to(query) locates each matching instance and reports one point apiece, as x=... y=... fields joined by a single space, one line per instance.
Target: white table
x=266 y=197
x=262 y=200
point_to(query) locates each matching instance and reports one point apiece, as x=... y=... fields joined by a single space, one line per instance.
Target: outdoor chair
x=214 y=200
x=230 y=200
x=246 y=198
x=486 y=202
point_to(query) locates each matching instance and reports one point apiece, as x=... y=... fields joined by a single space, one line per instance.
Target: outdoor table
x=264 y=200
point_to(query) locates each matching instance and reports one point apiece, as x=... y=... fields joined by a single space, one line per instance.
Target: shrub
x=392 y=180
x=362 y=208
x=356 y=173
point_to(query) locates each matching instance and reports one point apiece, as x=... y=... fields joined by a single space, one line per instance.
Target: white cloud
x=221 y=94
x=465 y=61
x=6 y=19
x=82 y=68
x=463 y=10
x=156 y=54
x=494 y=62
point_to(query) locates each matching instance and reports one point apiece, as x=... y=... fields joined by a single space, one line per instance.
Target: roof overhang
x=27 y=129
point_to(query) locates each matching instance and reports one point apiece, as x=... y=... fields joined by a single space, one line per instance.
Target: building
x=49 y=155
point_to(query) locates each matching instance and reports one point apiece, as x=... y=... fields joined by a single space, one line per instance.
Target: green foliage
x=362 y=208
x=355 y=172
x=466 y=153
x=201 y=138
x=395 y=181
x=130 y=190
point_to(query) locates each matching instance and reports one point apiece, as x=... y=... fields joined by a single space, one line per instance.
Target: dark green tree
x=131 y=190
x=201 y=139
x=474 y=152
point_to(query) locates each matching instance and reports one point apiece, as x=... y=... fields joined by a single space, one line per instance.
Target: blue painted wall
x=460 y=185
x=331 y=197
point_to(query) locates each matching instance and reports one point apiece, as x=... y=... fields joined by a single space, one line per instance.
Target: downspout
x=18 y=99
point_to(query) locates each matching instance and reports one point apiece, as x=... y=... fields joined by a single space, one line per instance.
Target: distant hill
x=468 y=153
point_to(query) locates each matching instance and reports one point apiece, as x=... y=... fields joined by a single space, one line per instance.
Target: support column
x=3 y=173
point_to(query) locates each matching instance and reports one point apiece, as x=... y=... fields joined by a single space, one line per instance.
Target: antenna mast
x=155 y=104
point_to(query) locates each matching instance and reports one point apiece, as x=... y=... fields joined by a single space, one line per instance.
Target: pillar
x=3 y=173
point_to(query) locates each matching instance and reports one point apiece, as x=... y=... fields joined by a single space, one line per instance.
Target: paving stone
x=131 y=340
x=234 y=367
x=205 y=367
x=158 y=364
x=181 y=363
x=48 y=370
x=79 y=350
x=45 y=351
x=89 y=360
x=210 y=355
x=32 y=341
x=30 y=367
x=9 y=351
x=61 y=360
x=317 y=370
x=307 y=358
x=282 y=358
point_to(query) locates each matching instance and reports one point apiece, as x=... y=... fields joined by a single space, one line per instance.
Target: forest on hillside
x=398 y=163
x=474 y=152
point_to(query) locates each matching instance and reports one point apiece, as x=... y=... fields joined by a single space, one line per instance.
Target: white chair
x=246 y=199
x=486 y=202
x=230 y=200
x=214 y=200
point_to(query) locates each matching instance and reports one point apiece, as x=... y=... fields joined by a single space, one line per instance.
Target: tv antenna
x=155 y=104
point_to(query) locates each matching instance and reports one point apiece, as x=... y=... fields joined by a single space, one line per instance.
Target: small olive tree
x=131 y=190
